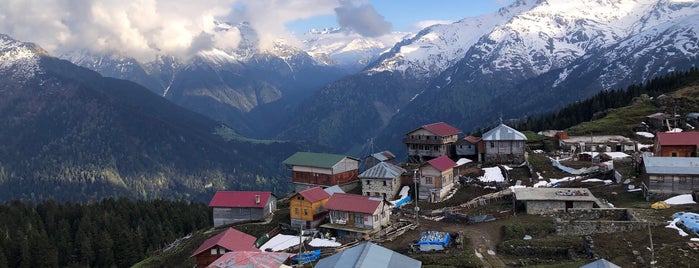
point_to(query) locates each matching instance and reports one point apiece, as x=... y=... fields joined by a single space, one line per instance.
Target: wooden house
x=379 y=157
x=431 y=141
x=552 y=200
x=307 y=208
x=309 y=170
x=226 y=241
x=356 y=216
x=382 y=180
x=503 y=144
x=436 y=178
x=469 y=147
x=676 y=144
x=670 y=175
x=238 y=206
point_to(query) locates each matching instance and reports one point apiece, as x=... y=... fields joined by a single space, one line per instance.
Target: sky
x=145 y=28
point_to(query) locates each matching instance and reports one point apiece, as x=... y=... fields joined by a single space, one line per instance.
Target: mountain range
x=69 y=133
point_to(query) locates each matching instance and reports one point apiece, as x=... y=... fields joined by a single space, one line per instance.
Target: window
x=683 y=179
x=428 y=180
x=296 y=211
x=384 y=183
x=376 y=217
x=221 y=251
x=214 y=251
x=673 y=154
x=660 y=179
x=368 y=182
x=492 y=144
x=305 y=211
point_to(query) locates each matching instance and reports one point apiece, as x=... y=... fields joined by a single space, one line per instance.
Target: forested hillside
x=112 y=232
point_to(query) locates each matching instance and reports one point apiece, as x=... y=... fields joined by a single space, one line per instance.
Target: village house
x=503 y=144
x=431 y=141
x=663 y=122
x=252 y=259
x=368 y=255
x=238 y=206
x=597 y=143
x=216 y=246
x=375 y=158
x=309 y=170
x=436 y=178
x=470 y=147
x=356 y=216
x=552 y=200
x=307 y=208
x=676 y=144
x=670 y=175
x=382 y=180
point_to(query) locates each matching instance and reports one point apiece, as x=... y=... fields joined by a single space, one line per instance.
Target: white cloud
x=145 y=28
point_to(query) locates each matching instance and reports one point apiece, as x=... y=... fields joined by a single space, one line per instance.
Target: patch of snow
x=281 y=242
x=673 y=225
x=538 y=151
x=492 y=174
x=680 y=200
x=592 y=180
x=645 y=134
x=323 y=243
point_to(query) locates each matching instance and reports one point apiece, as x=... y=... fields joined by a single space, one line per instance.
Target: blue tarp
x=308 y=256
x=433 y=240
x=689 y=220
x=403 y=201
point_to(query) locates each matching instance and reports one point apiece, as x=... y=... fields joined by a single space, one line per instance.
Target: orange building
x=307 y=208
x=676 y=144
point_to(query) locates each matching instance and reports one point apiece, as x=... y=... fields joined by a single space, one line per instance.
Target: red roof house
x=430 y=141
x=676 y=144
x=436 y=178
x=307 y=208
x=228 y=240
x=238 y=206
x=257 y=259
x=356 y=215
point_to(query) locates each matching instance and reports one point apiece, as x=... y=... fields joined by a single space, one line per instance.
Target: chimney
x=257 y=199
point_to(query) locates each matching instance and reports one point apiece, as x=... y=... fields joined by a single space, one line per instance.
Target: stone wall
x=592 y=221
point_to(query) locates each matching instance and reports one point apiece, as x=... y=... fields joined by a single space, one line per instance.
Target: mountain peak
x=19 y=58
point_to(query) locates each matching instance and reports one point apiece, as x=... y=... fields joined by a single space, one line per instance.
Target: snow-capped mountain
x=19 y=59
x=336 y=46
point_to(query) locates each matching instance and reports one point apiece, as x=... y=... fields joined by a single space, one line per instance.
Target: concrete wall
x=549 y=207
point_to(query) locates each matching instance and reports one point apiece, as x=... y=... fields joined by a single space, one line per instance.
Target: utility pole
x=652 y=251
x=417 y=196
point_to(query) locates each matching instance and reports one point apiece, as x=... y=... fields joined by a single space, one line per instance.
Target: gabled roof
x=314 y=194
x=368 y=255
x=440 y=129
x=334 y=189
x=353 y=203
x=601 y=263
x=230 y=239
x=504 y=133
x=239 y=199
x=383 y=156
x=442 y=163
x=246 y=259
x=671 y=165
x=382 y=170
x=315 y=159
x=658 y=116
x=678 y=138
x=472 y=139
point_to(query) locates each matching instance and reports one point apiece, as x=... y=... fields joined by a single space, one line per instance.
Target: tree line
x=583 y=111
x=109 y=233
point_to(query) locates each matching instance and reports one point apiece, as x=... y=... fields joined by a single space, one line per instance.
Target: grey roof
x=504 y=133
x=382 y=170
x=557 y=194
x=334 y=189
x=601 y=263
x=383 y=156
x=671 y=165
x=368 y=255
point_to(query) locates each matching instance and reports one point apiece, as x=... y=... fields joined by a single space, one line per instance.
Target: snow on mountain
x=19 y=58
x=438 y=47
x=346 y=48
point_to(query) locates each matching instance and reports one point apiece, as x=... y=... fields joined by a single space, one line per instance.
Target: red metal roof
x=442 y=163
x=441 y=129
x=238 y=259
x=353 y=203
x=230 y=239
x=472 y=139
x=678 y=138
x=314 y=194
x=239 y=199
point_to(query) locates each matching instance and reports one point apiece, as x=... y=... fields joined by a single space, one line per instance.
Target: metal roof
x=554 y=194
x=239 y=199
x=247 y=259
x=442 y=163
x=382 y=170
x=383 y=156
x=601 y=263
x=440 y=129
x=671 y=165
x=314 y=194
x=678 y=138
x=315 y=159
x=504 y=133
x=353 y=203
x=368 y=255
x=230 y=239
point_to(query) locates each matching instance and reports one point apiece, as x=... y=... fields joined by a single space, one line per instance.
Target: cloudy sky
x=145 y=28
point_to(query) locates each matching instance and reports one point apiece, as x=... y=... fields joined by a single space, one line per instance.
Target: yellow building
x=307 y=208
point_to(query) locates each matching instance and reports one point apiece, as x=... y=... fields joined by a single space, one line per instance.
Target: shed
x=382 y=180
x=368 y=255
x=550 y=200
x=601 y=263
x=320 y=169
x=237 y=206
x=671 y=175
